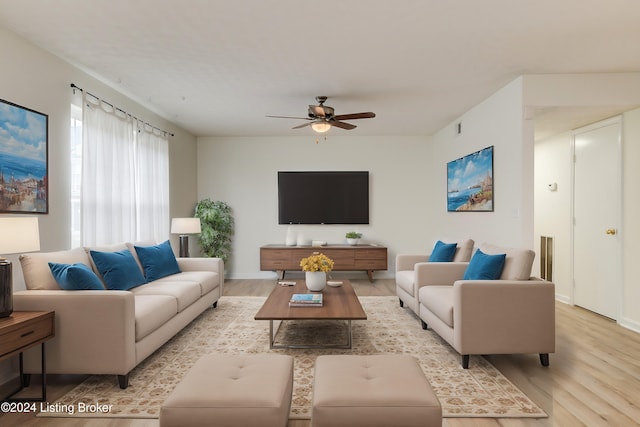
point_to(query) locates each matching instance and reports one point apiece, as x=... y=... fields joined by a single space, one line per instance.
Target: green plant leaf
x=217 y=226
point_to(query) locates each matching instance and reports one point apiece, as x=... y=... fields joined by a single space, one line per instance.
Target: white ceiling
x=217 y=67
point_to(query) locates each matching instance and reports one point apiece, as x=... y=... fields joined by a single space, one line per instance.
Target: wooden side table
x=21 y=331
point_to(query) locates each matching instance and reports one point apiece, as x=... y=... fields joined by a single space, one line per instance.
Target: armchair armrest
x=439 y=273
x=95 y=330
x=504 y=316
x=407 y=262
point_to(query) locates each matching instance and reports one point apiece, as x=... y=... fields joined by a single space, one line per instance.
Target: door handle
x=611 y=231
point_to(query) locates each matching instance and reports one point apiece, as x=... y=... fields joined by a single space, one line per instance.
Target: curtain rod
x=74 y=87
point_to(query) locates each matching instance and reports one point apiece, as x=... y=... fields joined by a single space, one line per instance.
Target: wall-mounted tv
x=317 y=197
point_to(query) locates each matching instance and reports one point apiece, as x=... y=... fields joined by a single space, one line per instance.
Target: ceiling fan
x=322 y=118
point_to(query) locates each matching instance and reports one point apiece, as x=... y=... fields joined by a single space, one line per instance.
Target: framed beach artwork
x=470 y=182
x=24 y=184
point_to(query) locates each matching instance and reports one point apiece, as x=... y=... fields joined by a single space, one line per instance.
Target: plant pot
x=352 y=242
x=315 y=280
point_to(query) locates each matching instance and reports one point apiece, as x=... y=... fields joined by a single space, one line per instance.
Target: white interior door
x=596 y=208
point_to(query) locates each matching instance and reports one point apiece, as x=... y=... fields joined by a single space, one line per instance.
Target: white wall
x=408 y=183
x=243 y=173
x=630 y=215
x=35 y=79
x=497 y=121
x=553 y=208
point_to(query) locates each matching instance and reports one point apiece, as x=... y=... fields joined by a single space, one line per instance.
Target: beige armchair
x=415 y=271
x=514 y=314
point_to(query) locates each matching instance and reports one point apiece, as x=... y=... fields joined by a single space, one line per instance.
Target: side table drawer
x=27 y=334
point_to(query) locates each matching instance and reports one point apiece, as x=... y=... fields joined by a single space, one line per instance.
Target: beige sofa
x=511 y=315
x=112 y=331
x=415 y=271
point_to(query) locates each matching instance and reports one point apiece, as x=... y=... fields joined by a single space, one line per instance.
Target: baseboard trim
x=630 y=324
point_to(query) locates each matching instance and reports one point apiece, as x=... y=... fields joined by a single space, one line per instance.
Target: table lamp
x=17 y=235
x=183 y=227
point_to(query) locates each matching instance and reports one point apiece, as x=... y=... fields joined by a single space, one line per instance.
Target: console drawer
x=370 y=264
x=371 y=254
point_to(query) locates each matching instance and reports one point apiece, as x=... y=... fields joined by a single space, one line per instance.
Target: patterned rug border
x=478 y=392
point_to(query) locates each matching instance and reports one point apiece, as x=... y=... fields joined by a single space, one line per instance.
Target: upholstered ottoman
x=373 y=391
x=232 y=390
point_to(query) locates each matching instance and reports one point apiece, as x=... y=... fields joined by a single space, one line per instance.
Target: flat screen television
x=316 y=197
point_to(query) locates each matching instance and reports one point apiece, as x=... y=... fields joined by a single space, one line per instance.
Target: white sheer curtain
x=125 y=178
x=152 y=187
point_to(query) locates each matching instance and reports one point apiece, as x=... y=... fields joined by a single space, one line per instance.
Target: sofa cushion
x=153 y=311
x=184 y=292
x=119 y=269
x=157 y=261
x=439 y=301
x=443 y=252
x=464 y=251
x=208 y=280
x=518 y=261
x=484 y=267
x=103 y=248
x=75 y=277
x=36 y=271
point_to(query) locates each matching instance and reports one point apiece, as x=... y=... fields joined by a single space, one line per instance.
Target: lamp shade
x=185 y=226
x=19 y=234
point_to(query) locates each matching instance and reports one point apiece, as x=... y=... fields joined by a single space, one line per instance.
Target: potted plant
x=316 y=266
x=353 y=237
x=217 y=228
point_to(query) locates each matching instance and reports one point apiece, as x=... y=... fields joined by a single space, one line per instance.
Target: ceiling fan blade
x=343 y=125
x=287 y=117
x=353 y=116
x=303 y=125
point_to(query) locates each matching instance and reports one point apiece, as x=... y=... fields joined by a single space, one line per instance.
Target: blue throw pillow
x=157 y=261
x=119 y=270
x=75 y=277
x=443 y=252
x=484 y=267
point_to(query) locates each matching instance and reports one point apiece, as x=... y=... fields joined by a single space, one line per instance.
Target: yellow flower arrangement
x=317 y=262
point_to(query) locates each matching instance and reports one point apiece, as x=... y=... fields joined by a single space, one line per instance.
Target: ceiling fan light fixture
x=321 y=127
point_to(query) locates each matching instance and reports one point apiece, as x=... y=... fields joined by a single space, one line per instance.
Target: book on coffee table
x=305 y=300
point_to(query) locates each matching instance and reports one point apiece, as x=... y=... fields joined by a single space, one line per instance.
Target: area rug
x=480 y=391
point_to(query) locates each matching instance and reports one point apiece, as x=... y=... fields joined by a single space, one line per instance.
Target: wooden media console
x=280 y=258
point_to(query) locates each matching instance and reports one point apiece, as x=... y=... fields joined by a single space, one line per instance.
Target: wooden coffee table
x=339 y=303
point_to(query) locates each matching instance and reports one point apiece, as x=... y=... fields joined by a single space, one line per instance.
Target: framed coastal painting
x=470 y=182
x=24 y=184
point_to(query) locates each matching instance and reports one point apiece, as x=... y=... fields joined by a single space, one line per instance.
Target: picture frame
x=24 y=160
x=470 y=182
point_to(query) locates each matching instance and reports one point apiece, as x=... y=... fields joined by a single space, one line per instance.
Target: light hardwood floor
x=593 y=378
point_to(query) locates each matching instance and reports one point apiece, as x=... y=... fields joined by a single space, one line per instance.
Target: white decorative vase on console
x=291 y=237
x=315 y=280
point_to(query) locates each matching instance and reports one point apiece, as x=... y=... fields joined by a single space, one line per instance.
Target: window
x=119 y=177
